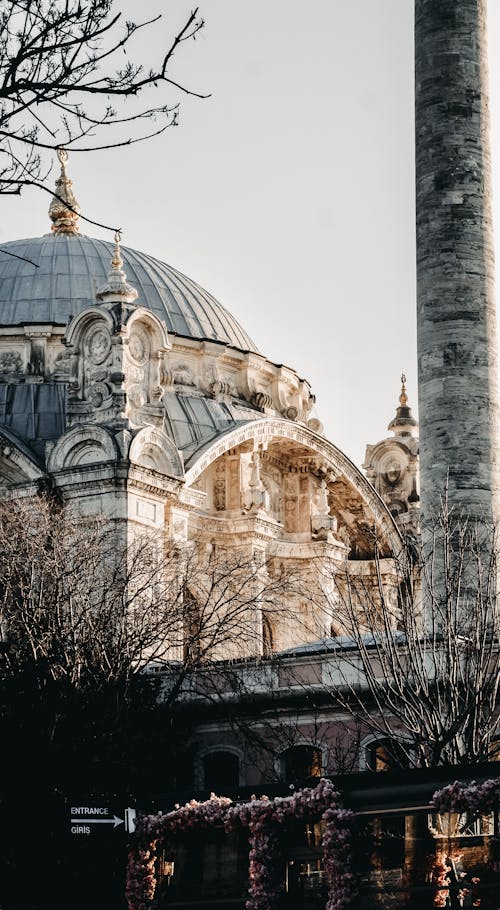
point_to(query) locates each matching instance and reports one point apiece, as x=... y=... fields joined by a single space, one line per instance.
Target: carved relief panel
x=219 y=485
x=137 y=370
x=297 y=498
x=233 y=481
x=392 y=468
x=11 y=362
x=95 y=366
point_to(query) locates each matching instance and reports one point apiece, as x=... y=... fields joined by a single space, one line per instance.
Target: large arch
x=269 y=429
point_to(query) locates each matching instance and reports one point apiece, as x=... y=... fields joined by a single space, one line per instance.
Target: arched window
x=301 y=763
x=385 y=755
x=221 y=771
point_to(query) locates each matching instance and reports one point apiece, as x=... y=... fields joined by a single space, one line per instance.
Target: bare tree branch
x=56 y=53
x=419 y=664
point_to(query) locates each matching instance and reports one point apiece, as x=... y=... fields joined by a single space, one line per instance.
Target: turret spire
x=403 y=423
x=64 y=210
x=116 y=287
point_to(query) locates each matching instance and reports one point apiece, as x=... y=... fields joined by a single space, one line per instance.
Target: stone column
x=457 y=358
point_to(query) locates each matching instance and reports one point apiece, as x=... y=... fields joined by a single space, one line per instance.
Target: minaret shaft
x=457 y=357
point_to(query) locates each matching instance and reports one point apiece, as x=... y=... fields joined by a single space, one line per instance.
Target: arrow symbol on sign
x=115 y=821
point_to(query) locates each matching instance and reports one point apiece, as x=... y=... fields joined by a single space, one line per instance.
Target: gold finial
x=403 y=398
x=117 y=260
x=63 y=157
x=64 y=210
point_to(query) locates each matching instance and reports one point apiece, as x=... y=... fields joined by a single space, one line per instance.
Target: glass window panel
x=416 y=861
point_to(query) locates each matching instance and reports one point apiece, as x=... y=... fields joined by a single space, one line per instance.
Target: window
x=385 y=755
x=221 y=771
x=301 y=763
x=267 y=637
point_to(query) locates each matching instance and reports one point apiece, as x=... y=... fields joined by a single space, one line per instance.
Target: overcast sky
x=289 y=193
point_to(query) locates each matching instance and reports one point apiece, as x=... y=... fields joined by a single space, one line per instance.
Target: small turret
x=403 y=424
x=116 y=289
x=391 y=465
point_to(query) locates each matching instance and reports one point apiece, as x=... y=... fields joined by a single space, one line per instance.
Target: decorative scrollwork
x=262 y=400
x=98 y=393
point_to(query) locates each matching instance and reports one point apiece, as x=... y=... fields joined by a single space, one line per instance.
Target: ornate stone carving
x=222 y=388
x=139 y=346
x=166 y=377
x=183 y=375
x=62 y=362
x=392 y=471
x=136 y=396
x=315 y=425
x=98 y=344
x=10 y=362
x=98 y=393
x=323 y=525
x=262 y=400
x=290 y=496
x=256 y=497
x=220 y=486
x=273 y=480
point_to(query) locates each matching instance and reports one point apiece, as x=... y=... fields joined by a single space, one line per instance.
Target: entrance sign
x=101 y=821
x=82 y=818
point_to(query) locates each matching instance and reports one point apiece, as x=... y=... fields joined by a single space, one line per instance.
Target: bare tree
x=90 y=613
x=418 y=665
x=68 y=78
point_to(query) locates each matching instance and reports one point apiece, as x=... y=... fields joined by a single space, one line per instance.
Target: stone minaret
x=457 y=358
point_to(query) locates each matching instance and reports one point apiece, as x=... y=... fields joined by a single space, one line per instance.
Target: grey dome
x=71 y=268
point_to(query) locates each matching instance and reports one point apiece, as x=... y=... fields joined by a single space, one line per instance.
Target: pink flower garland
x=470 y=797
x=263 y=818
x=140 y=886
x=141 y=882
x=264 y=869
x=337 y=858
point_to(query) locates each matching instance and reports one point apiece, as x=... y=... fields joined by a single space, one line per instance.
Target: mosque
x=131 y=391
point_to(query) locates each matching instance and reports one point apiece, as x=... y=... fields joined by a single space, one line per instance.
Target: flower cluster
x=141 y=879
x=264 y=869
x=471 y=797
x=264 y=819
x=337 y=858
x=440 y=877
x=306 y=803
